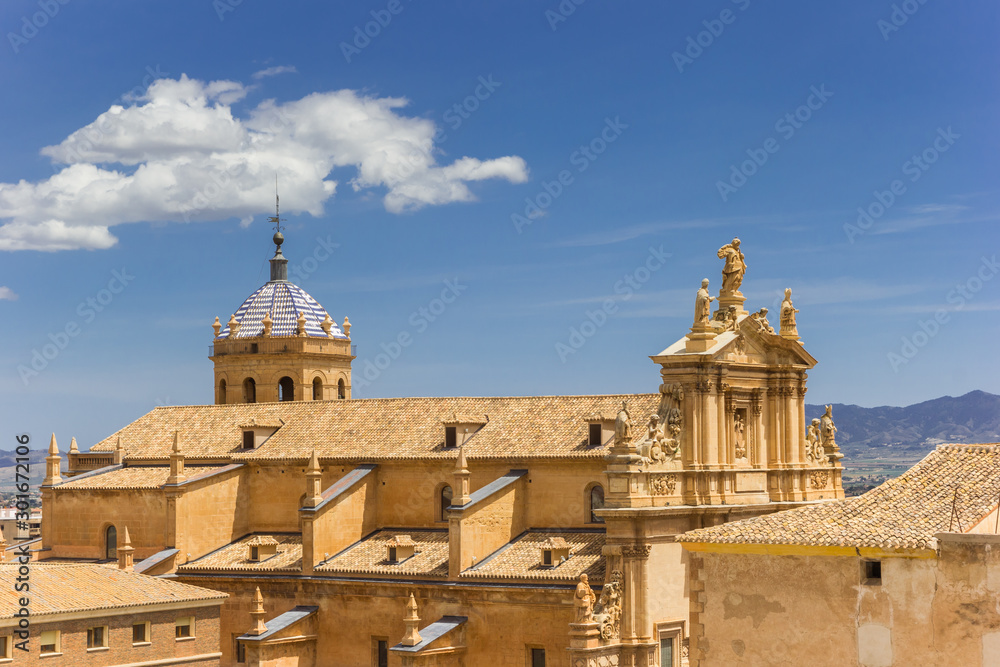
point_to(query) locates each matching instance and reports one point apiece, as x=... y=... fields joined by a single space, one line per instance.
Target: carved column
x=791 y=451
x=724 y=439
x=710 y=456
x=801 y=430
x=758 y=455
x=773 y=433
x=634 y=628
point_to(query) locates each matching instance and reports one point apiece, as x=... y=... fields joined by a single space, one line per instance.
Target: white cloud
x=7 y=294
x=179 y=153
x=275 y=71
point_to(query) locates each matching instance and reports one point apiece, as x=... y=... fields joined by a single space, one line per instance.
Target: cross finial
x=276 y=218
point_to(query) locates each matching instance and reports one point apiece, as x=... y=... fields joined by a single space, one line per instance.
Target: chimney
x=125 y=553
x=176 y=462
x=411 y=637
x=52 y=461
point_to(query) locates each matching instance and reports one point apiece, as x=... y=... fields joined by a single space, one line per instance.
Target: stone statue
x=814 y=447
x=584 y=600
x=734 y=268
x=623 y=427
x=787 y=318
x=828 y=430
x=703 y=306
x=741 y=444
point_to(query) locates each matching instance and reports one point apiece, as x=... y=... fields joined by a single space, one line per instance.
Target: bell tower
x=281 y=344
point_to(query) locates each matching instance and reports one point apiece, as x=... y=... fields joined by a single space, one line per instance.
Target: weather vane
x=276 y=218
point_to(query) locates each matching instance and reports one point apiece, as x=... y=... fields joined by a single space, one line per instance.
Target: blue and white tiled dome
x=284 y=301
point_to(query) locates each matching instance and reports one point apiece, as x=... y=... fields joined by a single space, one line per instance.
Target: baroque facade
x=448 y=531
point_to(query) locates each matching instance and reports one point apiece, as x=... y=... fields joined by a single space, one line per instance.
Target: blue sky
x=524 y=159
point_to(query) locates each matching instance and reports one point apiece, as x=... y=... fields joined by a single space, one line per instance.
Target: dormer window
x=255 y=435
x=600 y=428
x=261 y=547
x=459 y=429
x=399 y=548
x=555 y=551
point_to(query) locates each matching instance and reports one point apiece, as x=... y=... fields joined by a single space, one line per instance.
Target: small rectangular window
x=140 y=633
x=537 y=657
x=666 y=652
x=255 y=553
x=595 y=435
x=248 y=438
x=392 y=554
x=97 y=637
x=450 y=436
x=873 y=572
x=184 y=627
x=5 y=647
x=49 y=642
x=546 y=557
x=239 y=650
x=380 y=657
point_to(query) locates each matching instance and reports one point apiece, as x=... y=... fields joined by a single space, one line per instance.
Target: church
x=511 y=531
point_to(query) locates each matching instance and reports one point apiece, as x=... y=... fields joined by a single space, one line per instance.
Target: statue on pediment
x=623 y=426
x=703 y=306
x=787 y=316
x=584 y=599
x=735 y=267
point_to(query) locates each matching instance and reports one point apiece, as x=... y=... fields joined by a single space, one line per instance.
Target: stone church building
x=506 y=531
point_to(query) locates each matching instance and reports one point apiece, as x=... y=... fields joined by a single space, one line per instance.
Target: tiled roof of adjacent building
x=379 y=429
x=370 y=555
x=521 y=559
x=903 y=513
x=63 y=588
x=133 y=477
x=283 y=301
x=235 y=556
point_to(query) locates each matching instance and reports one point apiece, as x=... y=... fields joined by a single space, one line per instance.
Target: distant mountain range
x=914 y=430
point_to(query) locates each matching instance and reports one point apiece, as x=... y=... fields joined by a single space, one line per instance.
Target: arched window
x=249 y=391
x=286 y=389
x=222 y=392
x=341 y=388
x=111 y=543
x=446 y=495
x=595 y=501
x=317 y=389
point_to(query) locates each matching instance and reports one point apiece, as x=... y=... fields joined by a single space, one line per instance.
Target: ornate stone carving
x=756 y=402
x=609 y=606
x=662 y=485
x=584 y=599
x=786 y=317
x=818 y=479
x=760 y=317
x=740 y=347
x=734 y=268
x=703 y=386
x=636 y=551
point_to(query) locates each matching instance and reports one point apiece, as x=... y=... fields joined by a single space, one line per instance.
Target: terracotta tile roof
x=374 y=429
x=369 y=556
x=64 y=588
x=133 y=477
x=522 y=558
x=903 y=513
x=235 y=557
